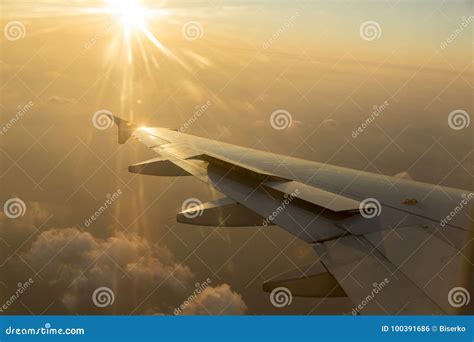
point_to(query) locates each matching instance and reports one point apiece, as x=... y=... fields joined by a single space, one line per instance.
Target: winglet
x=125 y=128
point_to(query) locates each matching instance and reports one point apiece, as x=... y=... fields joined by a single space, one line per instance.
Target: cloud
x=329 y=124
x=266 y=124
x=79 y=263
x=219 y=300
x=69 y=264
x=15 y=231
x=34 y=214
x=403 y=175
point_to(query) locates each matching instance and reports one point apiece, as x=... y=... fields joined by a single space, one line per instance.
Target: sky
x=327 y=63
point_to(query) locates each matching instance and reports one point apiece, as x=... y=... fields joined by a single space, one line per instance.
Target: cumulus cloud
x=78 y=262
x=69 y=264
x=219 y=300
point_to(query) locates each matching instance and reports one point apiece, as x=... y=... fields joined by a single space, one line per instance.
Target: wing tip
x=125 y=128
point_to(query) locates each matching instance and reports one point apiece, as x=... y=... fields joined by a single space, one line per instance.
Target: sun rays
x=133 y=18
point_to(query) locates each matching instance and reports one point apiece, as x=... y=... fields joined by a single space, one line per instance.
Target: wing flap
x=319 y=197
x=274 y=208
x=158 y=167
x=423 y=258
x=374 y=285
x=315 y=281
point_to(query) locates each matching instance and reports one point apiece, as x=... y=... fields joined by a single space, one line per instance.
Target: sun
x=133 y=18
x=131 y=13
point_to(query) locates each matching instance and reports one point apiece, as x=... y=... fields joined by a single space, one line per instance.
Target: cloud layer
x=143 y=278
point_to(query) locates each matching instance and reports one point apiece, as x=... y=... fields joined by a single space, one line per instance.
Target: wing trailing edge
x=158 y=167
x=315 y=282
x=317 y=196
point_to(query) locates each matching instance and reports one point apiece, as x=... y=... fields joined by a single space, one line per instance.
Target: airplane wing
x=393 y=246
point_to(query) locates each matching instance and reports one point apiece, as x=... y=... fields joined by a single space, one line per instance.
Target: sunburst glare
x=133 y=17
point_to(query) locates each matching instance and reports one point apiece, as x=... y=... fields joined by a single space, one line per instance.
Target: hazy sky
x=248 y=59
